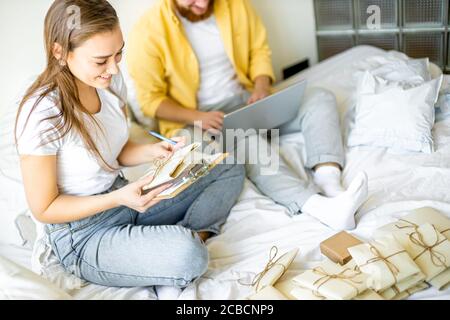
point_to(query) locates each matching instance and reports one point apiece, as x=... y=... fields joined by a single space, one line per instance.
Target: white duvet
x=397 y=183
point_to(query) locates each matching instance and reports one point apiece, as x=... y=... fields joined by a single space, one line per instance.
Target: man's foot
x=339 y=212
x=328 y=178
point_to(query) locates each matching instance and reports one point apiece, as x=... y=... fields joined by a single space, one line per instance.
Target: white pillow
x=393 y=116
x=443 y=103
x=396 y=67
x=394 y=73
x=409 y=73
x=19 y=283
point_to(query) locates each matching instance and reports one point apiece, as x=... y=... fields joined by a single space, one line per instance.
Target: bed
x=397 y=183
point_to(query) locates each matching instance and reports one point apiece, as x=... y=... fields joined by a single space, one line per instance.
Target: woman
x=72 y=137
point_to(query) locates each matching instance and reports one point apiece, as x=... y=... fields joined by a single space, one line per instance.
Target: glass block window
x=331 y=45
x=332 y=15
x=425 y=44
x=420 y=28
x=422 y=13
x=386 y=41
x=388 y=10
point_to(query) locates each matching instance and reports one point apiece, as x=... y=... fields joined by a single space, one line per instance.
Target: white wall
x=291 y=30
x=22 y=45
x=290 y=25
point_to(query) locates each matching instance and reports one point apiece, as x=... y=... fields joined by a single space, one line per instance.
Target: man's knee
x=319 y=101
x=319 y=91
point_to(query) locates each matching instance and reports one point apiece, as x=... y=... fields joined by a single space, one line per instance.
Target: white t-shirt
x=79 y=173
x=218 y=79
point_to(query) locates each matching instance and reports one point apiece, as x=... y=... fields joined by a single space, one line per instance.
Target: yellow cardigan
x=163 y=64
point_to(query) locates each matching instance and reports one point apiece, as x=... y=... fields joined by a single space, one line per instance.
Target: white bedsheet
x=397 y=183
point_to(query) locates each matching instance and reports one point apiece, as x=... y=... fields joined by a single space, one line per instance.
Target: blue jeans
x=122 y=247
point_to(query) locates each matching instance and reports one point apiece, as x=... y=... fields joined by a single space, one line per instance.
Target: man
x=194 y=60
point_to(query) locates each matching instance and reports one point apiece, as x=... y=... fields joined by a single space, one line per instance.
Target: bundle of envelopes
x=403 y=258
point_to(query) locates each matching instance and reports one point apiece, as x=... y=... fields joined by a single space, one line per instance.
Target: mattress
x=397 y=183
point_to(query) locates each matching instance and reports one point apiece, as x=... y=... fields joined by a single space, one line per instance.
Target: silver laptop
x=270 y=112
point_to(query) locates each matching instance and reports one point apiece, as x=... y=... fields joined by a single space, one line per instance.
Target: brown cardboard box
x=335 y=247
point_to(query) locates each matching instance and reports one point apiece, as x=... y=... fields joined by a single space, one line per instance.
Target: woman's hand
x=132 y=195
x=164 y=150
x=134 y=154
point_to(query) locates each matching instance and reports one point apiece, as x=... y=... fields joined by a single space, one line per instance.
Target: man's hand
x=262 y=89
x=210 y=121
x=258 y=94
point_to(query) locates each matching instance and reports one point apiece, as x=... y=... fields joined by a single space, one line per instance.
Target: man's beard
x=189 y=15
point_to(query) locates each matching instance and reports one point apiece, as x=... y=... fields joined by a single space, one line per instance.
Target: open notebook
x=186 y=166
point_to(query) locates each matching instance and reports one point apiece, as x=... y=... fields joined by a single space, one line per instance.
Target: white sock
x=339 y=212
x=328 y=178
x=168 y=292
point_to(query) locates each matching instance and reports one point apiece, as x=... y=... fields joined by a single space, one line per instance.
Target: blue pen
x=157 y=135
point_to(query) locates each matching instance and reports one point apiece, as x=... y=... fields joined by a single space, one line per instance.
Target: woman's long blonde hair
x=62 y=27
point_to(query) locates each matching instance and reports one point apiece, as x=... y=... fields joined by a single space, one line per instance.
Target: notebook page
x=163 y=171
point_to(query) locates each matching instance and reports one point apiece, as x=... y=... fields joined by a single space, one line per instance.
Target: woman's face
x=96 y=60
